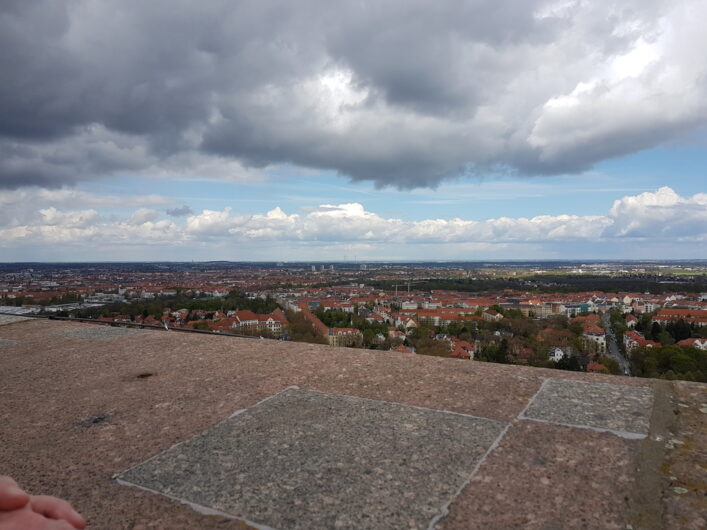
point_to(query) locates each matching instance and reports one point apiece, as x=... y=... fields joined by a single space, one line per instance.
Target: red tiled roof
x=694 y=342
x=586 y=318
x=593 y=330
x=678 y=312
x=596 y=367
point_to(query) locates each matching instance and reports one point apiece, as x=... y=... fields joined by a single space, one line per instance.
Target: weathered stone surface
x=11 y=319
x=617 y=408
x=542 y=476
x=97 y=332
x=304 y=459
x=685 y=466
x=159 y=388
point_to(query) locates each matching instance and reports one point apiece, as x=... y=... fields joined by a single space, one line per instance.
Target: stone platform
x=158 y=429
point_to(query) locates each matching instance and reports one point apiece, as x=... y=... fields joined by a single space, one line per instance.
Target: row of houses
x=334 y=336
x=242 y=322
x=592 y=333
x=634 y=339
x=697 y=317
x=249 y=323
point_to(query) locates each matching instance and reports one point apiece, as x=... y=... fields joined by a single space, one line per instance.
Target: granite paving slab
x=544 y=476
x=11 y=319
x=97 y=332
x=308 y=459
x=623 y=410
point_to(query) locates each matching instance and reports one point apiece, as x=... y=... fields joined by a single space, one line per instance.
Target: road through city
x=612 y=348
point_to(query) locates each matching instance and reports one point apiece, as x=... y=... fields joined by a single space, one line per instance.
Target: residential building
x=694 y=343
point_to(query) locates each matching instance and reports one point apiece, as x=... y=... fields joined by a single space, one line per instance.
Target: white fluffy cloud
x=71 y=219
x=639 y=95
x=662 y=215
x=142 y=216
x=68 y=197
x=350 y=222
x=20 y=207
x=48 y=217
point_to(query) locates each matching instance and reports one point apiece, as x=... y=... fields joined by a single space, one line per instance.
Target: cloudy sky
x=319 y=130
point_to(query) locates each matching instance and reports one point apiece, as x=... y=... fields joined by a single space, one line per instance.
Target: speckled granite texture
x=685 y=467
x=70 y=420
x=11 y=319
x=98 y=332
x=544 y=476
x=304 y=459
x=616 y=408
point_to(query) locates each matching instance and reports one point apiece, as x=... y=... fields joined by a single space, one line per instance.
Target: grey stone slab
x=306 y=459
x=97 y=332
x=11 y=319
x=624 y=410
x=7 y=342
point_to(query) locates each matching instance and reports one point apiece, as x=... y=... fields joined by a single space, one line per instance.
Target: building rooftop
x=157 y=429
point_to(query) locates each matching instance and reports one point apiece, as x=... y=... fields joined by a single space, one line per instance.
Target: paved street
x=612 y=348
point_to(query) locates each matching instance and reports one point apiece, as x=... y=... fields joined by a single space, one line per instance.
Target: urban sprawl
x=535 y=314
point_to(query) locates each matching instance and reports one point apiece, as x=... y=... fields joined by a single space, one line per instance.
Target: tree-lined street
x=612 y=348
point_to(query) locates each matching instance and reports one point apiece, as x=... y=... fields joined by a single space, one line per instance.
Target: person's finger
x=26 y=519
x=11 y=495
x=55 y=524
x=57 y=509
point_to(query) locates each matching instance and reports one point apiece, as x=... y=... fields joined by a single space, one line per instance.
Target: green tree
x=301 y=330
x=569 y=363
x=656 y=330
x=611 y=364
x=665 y=338
x=430 y=346
x=682 y=363
x=495 y=352
x=576 y=328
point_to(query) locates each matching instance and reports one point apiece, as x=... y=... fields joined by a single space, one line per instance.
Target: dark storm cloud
x=404 y=93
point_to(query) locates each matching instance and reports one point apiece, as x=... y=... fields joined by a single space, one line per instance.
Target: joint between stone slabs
x=646 y=500
x=629 y=435
x=622 y=434
x=418 y=407
x=232 y=415
x=601 y=383
x=441 y=511
x=521 y=414
x=204 y=510
x=268 y=398
x=445 y=507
